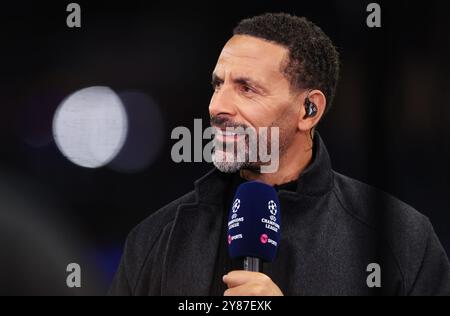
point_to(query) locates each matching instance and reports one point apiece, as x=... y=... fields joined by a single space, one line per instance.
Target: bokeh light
x=90 y=126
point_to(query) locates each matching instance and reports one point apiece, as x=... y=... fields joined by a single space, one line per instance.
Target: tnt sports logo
x=235 y=237
x=264 y=239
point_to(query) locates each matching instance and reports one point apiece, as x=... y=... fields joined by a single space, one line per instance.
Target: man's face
x=251 y=91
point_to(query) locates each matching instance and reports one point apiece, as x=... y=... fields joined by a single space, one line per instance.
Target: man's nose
x=222 y=102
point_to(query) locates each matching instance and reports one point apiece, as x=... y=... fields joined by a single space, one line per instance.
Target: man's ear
x=318 y=100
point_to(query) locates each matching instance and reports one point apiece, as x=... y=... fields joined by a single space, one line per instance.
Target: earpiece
x=311 y=108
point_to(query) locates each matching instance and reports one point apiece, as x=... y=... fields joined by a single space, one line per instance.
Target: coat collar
x=315 y=180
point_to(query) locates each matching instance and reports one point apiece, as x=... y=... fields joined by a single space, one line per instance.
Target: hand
x=246 y=283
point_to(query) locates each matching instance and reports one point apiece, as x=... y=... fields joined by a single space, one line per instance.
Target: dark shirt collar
x=315 y=180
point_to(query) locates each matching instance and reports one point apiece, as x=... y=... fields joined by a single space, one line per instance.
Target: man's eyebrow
x=250 y=82
x=242 y=80
x=216 y=78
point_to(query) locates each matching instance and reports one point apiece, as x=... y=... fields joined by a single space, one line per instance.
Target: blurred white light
x=90 y=126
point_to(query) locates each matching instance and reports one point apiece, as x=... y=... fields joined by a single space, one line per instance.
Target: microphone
x=254 y=225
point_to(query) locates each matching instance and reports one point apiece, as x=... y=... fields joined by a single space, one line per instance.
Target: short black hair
x=313 y=59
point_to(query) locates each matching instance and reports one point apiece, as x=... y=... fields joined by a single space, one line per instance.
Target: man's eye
x=247 y=89
x=216 y=85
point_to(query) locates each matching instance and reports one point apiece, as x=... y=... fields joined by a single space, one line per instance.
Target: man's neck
x=292 y=163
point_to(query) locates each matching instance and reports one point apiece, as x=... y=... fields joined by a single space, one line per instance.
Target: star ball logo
x=236 y=205
x=235 y=208
x=272 y=206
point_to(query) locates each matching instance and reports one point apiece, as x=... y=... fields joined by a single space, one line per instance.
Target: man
x=339 y=236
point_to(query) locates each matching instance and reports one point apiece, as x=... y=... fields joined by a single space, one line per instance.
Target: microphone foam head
x=254 y=222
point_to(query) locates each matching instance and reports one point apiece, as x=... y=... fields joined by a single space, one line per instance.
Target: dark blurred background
x=389 y=126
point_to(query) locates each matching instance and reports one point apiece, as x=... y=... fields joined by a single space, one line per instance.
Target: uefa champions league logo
x=272 y=206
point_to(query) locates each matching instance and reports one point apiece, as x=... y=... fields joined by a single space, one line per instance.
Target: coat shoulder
x=403 y=228
x=373 y=207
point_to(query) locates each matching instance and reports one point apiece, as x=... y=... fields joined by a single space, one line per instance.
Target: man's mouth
x=227 y=134
x=227 y=137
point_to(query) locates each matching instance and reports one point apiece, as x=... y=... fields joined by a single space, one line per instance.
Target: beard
x=240 y=149
x=229 y=158
x=223 y=161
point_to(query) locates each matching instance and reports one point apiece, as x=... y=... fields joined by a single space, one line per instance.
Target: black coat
x=333 y=227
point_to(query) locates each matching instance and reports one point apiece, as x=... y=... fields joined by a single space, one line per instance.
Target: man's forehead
x=250 y=52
